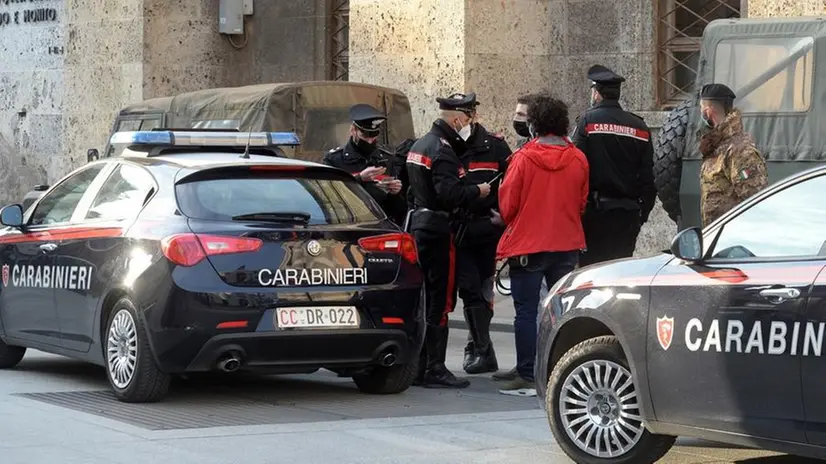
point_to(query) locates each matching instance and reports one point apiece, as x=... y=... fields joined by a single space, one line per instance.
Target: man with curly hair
x=541 y=202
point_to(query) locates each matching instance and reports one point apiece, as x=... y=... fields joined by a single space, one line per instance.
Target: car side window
x=58 y=205
x=122 y=195
x=789 y=223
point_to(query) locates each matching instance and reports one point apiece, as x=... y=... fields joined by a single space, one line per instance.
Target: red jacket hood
x=549 y=154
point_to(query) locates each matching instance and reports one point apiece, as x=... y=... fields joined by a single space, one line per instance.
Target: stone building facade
x=501 y=49
x=67 y=66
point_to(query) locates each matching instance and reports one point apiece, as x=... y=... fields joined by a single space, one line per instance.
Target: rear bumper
x=306 y=349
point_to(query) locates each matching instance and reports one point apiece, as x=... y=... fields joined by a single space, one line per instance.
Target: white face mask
x=464 y=133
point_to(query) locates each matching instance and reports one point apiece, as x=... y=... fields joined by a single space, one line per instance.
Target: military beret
x=716 y=92
x=459 y=102
x=602 y=76
x=367 y=119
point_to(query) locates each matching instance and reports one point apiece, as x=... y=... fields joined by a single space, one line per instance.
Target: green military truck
x=772 y=66
x=318 y=111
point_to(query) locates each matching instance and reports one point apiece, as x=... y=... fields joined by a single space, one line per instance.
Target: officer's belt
x=609 y=203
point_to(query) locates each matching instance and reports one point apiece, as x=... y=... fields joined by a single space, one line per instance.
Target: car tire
x=641 y=447
x=388 y=380
x=10 y=356
x=668 y=159
x=144 y=382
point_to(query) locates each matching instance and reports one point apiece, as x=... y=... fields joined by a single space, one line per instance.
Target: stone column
x=783 y=8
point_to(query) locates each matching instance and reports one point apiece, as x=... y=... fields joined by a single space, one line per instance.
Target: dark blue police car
x=721 y=339
x=200 y=250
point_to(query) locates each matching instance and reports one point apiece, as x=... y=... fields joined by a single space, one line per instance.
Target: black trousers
x=437 y=256
x=609 y=234
x=475 y=269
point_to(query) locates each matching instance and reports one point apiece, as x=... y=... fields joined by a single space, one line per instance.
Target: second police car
x=721 y=339
x=189 y=253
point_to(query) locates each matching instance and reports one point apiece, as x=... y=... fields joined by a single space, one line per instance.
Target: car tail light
x=191 y=249
x=400 y=244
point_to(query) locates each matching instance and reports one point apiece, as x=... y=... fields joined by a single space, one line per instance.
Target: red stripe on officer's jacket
x=450 y=301
x=420 y=159
x=483 y=166
x=70 y=233
x=616 y=129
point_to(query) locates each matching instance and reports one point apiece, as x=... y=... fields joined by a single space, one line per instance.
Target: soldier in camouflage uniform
x=732 y=169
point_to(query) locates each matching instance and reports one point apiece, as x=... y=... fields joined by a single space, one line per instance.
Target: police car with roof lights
x=200 y=250
x=721 y=339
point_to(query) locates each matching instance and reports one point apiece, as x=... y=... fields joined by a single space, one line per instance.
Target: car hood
x=628 y=272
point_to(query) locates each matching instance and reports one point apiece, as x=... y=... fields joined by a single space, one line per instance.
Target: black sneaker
x=506 y=376
x=443 y=378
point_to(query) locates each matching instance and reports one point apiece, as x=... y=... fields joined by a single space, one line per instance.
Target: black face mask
x=364 y=146
x=521 y=128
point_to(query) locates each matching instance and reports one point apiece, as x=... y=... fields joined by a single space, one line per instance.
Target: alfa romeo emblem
x=314 y=248
x=665 y=331
x=5 y=275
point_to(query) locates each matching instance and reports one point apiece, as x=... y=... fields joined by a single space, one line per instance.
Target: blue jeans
x=526 y=283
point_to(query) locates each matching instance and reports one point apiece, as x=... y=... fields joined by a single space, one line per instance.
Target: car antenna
x=246 y=154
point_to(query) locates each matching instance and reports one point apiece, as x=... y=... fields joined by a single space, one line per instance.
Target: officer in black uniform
x=478 y=232
x=362 y=158
x=618 y=146
x=438 y=189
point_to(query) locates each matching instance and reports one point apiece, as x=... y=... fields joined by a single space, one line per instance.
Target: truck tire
x=668 y=157
x=613 y=402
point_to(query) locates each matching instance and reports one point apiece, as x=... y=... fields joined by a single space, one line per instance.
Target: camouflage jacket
x=732 y=169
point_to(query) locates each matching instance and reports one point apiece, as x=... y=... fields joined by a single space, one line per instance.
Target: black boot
x=485 y=360
x=470 y=349
x=437 y=375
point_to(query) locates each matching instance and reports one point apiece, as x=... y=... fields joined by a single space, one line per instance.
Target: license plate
x=347 y=316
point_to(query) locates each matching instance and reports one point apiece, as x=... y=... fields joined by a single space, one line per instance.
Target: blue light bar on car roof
x=194 y=138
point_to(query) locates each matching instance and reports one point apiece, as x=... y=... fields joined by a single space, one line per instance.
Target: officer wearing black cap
x=478 y=231
x=438 y=190
x=620 y=154
x=361 y=157
x=733 y=169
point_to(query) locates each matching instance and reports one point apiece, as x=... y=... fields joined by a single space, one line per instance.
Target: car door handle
x=779 y=295
x=48 y=247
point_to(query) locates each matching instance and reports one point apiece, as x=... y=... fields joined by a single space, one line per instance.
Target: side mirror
x=92 y=155
x=688 y=245
x=12 y=216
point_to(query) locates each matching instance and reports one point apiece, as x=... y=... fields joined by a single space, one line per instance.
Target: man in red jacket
x=541 y=201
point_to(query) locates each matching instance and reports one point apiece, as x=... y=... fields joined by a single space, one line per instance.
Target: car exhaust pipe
x=388 y=360
x=230 y=364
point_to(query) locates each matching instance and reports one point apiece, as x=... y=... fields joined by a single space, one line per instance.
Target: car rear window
x=327 y=199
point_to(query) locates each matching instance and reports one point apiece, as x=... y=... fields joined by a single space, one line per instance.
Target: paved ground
x=54 y=410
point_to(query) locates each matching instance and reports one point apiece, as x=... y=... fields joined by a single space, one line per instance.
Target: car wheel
x=132 y=372
x=593 y=407
x=388 y=380
x=10 y=356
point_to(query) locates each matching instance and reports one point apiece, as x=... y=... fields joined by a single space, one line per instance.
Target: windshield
x=273 y=198
x=768 y=75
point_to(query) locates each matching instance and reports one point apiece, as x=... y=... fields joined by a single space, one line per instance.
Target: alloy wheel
x=599 y=408
x=122 y=349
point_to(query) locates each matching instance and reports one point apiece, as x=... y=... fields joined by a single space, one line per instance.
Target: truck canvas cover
x=317 y=111
x=770 y=64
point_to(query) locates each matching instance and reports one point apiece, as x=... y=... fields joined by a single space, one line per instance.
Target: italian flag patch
x=745 y=174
